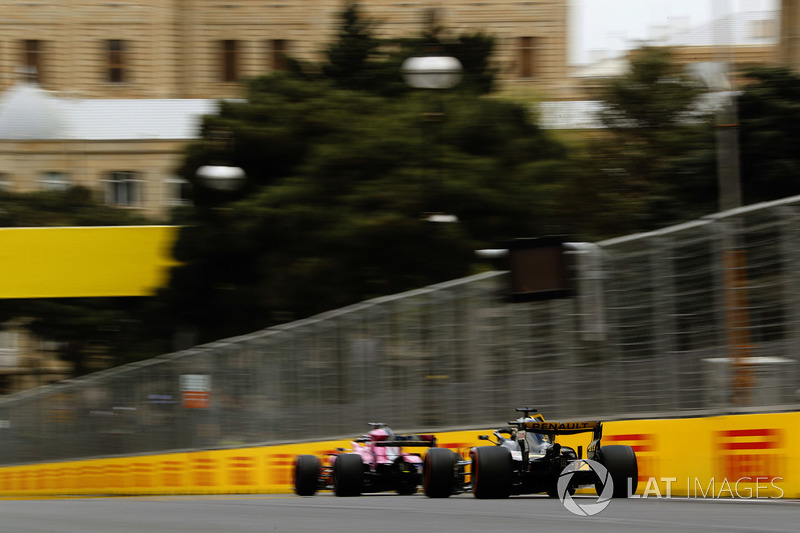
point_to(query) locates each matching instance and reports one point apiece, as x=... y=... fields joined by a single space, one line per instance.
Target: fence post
x=790 y=258
x=664 y=310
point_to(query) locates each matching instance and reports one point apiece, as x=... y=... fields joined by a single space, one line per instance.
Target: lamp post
x=219 y=175
x=737 y=320
x=433 y=72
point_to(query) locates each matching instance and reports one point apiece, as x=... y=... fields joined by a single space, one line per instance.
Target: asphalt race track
x=386 y=513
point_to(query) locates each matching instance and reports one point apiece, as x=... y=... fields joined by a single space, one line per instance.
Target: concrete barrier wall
x=744 y=456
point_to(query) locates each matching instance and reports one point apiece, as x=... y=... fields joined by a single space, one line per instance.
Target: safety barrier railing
x=698 y=317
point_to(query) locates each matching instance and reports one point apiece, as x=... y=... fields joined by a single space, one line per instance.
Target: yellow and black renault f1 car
x=526 y=459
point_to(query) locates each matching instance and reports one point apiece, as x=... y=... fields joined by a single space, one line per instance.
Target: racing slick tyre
x=622 y=467
x=439 y=473
x=492 y=472
x=306 y=475
x=348 y=474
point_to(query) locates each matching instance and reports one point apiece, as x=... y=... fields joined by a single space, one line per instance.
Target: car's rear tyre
x=348 y=475
x=439 y=473
x=622 y=467
x=492 y=471
x=306 y=475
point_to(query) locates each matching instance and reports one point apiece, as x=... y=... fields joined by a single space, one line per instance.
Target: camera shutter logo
x=585 y=509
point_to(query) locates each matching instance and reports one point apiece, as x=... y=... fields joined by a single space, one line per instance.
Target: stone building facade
x=205 y=48
x=126 y=150
x=789 y=47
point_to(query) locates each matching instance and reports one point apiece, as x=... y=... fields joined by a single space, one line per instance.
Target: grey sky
x=616 y=25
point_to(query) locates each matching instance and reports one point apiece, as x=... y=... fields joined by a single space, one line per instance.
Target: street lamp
x=221 y=177
x=432 y=72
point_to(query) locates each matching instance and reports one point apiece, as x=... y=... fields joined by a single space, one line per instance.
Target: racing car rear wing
x=568 y=428
x=407 y=443
x=419 y=441
x=560 y=428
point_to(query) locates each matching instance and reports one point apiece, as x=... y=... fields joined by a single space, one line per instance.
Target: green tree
x=351 y=60
x=653 y=164
x=769 y=118
x=73 y=207
x=341 y=183
x=361 y=61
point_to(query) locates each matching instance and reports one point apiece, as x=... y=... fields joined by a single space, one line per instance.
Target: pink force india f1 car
x=525 y=458
x=377 y=462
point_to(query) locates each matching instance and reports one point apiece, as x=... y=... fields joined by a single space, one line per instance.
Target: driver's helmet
x=535 y=440
x=382 y=433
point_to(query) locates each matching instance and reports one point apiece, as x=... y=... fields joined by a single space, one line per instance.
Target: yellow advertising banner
x=85 y=261
x=743 y=456
x=737 y=456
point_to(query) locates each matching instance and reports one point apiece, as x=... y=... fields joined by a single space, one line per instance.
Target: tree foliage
x=340 y=185
x=360 y=61
x=653 y=165
x=345 y=163
x=769 y=118
x=72 y=207
x=352 y=59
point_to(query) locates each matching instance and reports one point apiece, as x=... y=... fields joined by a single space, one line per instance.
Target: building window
x=278 y=48
x=430 y=21
x=54 y=181
x=116 y=60
x=230 y=67
x=5 y=181
x=177 y=191
x=123 y=188
x=527 y=57
x=32 y=51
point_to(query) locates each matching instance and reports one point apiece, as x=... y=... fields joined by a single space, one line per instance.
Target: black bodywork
x=525 y=458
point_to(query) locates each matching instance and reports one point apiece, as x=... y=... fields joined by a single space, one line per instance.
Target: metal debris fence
x=696 y=318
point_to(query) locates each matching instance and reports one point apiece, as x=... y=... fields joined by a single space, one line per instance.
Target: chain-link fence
x=701 y=316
